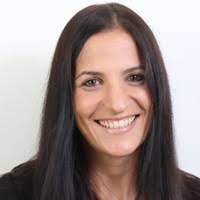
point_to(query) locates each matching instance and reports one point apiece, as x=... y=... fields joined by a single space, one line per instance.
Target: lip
x=120 y=130
x=119 y=118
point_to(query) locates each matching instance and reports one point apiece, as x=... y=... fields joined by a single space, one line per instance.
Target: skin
x=112 y=94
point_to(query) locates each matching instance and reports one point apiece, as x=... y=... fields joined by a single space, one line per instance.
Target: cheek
x=148 y=111
x=144 y=101
x=147 y=102
x=141 y=96
x=85 y=104
x=85 y=107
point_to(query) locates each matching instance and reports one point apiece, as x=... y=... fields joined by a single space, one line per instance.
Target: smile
x=114 y=126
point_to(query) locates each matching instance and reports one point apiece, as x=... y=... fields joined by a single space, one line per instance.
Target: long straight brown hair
x=59 y=168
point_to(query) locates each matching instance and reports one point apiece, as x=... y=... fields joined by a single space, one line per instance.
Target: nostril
x=137 y=115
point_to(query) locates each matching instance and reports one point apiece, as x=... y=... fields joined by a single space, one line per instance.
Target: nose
x=116 y=99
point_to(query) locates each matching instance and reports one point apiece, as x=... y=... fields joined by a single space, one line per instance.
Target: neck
x=114 y=177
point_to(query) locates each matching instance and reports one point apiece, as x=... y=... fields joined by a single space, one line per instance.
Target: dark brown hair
x=59 y=168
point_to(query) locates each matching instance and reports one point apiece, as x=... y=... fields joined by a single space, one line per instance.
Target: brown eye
x=136 y=77
x=91 y=83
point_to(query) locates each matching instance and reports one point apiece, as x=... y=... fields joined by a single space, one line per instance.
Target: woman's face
x=110 y=91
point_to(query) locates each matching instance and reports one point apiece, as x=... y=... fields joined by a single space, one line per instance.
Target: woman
x=106 y=130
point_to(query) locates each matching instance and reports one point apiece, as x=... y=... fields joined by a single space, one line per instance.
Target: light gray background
x=29 y=31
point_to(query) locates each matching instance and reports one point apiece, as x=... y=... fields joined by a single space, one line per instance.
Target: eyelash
x=140 y=76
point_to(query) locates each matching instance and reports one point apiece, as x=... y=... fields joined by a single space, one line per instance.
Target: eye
x=92 y=82
x=138 y=78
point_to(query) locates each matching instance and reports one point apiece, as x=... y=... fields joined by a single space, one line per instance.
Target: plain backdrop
x=29 y=31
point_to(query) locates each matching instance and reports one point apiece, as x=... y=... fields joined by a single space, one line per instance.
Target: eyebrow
x=101 y=74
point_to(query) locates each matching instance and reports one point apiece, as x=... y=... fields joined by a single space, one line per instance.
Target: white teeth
x=117 y=124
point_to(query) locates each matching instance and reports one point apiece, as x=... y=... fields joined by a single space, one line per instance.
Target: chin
x=121 y=150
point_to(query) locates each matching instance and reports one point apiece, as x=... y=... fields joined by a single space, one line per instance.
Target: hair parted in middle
x=61 y=165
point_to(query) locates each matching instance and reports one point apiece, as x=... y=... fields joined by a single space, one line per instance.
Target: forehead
x=108 y=49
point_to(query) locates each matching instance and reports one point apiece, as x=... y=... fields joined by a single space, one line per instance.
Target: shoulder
x=17 y=184
x=191 y=186
x=7 y=188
